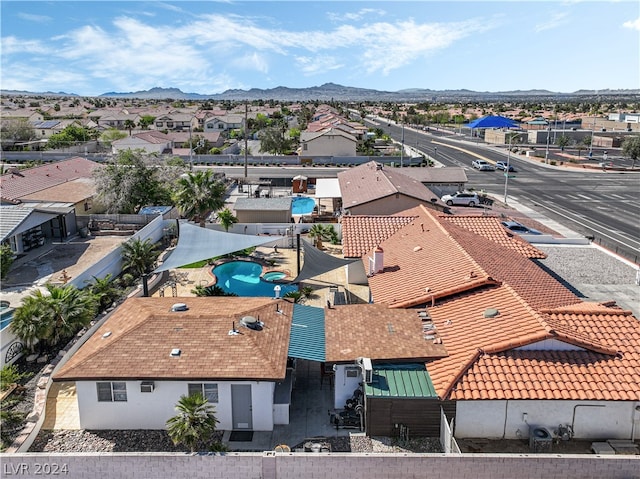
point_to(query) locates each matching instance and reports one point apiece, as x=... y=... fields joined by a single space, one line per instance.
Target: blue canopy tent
x=492 y=121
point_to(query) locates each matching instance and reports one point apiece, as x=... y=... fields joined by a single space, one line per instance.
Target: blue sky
x=94 y=47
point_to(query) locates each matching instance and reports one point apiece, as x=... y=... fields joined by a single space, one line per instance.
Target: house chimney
x=378 y=260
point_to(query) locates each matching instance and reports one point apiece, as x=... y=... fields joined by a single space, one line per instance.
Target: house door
x=241 y=409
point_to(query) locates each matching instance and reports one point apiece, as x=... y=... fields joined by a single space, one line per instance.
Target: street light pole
x=190 y=150
x=546 y=155
x=402 y=149
x=506 y=173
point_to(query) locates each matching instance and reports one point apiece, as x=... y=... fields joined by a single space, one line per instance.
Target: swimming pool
x=6 y=315
x=273 y=275
x=244 y=279
x=302 y=205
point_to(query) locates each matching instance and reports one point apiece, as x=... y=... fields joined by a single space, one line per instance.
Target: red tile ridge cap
x=464 y=367
x=582 y=307
x=432 y=297
x=590 y=345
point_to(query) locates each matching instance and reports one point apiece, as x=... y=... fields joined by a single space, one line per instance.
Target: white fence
x=448 y=442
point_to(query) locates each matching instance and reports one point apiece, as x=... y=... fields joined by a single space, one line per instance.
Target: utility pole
x=506 y=173
x=402 y=149
x=246 y=114
x=190 y=150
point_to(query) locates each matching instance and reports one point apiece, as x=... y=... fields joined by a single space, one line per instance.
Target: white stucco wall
x=344 y=386
x=331 y=145
x=356 y=273
x=151 y=410
x=589 y=419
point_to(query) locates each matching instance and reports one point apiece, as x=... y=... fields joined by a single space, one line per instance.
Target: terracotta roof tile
x=361 y=234
x=376 y=332
x=422 y=262
x=490 y=227
x=144 y=331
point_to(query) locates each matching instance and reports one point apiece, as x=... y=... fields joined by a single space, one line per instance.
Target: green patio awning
x=407 y=380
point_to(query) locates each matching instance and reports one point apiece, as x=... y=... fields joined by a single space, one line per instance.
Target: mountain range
x=332 y=91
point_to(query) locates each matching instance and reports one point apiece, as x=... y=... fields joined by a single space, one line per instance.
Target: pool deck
x=284 y=260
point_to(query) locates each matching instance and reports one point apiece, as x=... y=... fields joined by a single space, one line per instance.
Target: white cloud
x=12 y=45
x=34 y=18
x=317 y=64
x=556 y=20
x=355 y=16
x=632 y=24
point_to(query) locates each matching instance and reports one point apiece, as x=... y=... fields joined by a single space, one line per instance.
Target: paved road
x=604 y=205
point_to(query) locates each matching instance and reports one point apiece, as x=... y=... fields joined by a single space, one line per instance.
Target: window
x=110 y=392
x=208 y=390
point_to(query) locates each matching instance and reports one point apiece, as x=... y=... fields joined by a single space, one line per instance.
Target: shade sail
x=196 y=244
x=493 y=121
x=317 y=262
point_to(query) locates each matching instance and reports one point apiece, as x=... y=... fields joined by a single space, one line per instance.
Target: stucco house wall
x=329 y=144
x=151 y=410
x=507 y=419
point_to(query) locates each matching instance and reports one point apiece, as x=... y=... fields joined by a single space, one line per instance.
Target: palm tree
x=227 y=219
x=129 y=125
x=319 y=234
x=104 y=290
x=53 y=315
x=139 y=256
x=195 y=422
x=198 y=194
x=214 y=290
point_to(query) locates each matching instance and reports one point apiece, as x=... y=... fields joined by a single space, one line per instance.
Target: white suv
x=461 y=198
x=482 y=165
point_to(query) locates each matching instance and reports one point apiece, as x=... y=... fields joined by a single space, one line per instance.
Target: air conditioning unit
x=147 y=386
x=367 y=370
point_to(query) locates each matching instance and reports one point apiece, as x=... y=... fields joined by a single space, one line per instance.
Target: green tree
x=198 y=194
x=227 y=218
x=320 y=233
x=6 y=260
x=214 y=290
x=129 y=125
x=133 y=180
x=145 y=121
x=110 y=135
x=18 y=130
x=105 y=291
x=563 y=141
x=70 y=136
x=54 y=315
x=139 y=257
x=195 y=422
x=272 y=140
x=631 y=148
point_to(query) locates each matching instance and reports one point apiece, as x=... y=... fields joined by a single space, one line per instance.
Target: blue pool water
x=302 y=205
x=243 y=278
x=6 y=315
x=273 y=275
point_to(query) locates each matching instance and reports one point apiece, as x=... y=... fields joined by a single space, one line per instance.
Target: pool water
x=6 y=315
x=273 y=276
x=302 y=205
x=244 y=279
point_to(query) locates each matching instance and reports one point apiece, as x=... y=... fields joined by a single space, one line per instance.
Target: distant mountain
x=332 y=91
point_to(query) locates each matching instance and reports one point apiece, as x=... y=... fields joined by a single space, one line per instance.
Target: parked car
x=482 y=165
x=461 y=198
x=519 y=228
x=502 y=165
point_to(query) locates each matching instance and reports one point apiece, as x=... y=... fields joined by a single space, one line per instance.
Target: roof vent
x=490 y=313
x=179 y=307
x=107 y=334
x=251 y=322
x=175 y=353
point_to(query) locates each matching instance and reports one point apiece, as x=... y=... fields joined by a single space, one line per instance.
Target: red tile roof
x=15 y=185
x=145 y=330
x=490 y=227
x=361 y=234
x=423 y=263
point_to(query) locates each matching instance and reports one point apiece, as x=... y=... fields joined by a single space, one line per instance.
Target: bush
x=10 y=374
